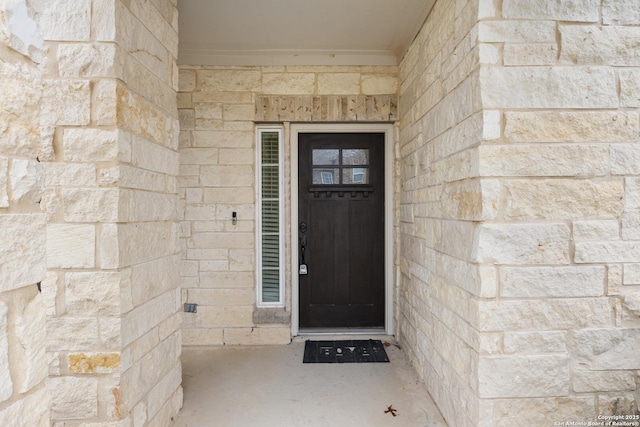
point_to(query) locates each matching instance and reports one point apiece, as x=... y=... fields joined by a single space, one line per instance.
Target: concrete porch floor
x=270 y=386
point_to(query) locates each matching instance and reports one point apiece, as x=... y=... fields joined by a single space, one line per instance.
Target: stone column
x=23 y=366
x=109 y=110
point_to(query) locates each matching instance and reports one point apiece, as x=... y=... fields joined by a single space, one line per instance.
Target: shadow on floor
x=270 y=386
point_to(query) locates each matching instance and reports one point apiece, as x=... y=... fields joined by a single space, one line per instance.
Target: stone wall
x=559 y=85
x=218 y=110
x=23 y=366
x=519 y=133
x=110 y=128
x=442 y=203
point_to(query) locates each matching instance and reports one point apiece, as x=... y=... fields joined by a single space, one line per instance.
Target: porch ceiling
x=298 y=32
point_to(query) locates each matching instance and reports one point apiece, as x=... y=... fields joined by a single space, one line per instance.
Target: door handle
x=303 y=247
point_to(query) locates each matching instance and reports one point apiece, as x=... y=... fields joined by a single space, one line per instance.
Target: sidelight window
x=270 y=271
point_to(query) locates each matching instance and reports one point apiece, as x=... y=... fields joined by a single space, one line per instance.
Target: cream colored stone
x=208 y=336
x=71 y=333
x=90 y=205
x=517 y=31
x=103 y=103
x=548 y=87
x=379 y=84
x=599 y=381
x=546 y=314
x=141 y=242
x=49 y=289
x=227 y=176
x=6 y=385
x=30 y=332
x=31 y=410
x=239 y=112
x=222 y=297
x=620 y=12
x=559 y=10
x=66 y=102
x=96 y=293
x=606 y=349
x=64 y=19
x=632 y=303
x=89 y=60
x=574 y=126
x=231 y=139
x=147 y=316
x=530 y=54
x=523 y=376
x=27 y=181
x=229 y=316
x=204 y=111
x=594 y=45
x=187 y=79
x=632 y=274
x=541 y=411
x=73 y=397
x=552 y=282
x=288 y=83
x=84 y=145
x=257 y=336
x=70 y=246
x=632 y=192
x=221 y=80
x=4 y=196
x=70 y=174
x=523 y=244
x=596 y=230
x=22 y=252
x=535 y=342
x=339 y=83
x=603 y=252
x=563 y=199
x=159 y=394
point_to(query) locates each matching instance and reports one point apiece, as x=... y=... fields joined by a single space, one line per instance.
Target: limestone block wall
x=110 y=127
x=219 y=107
x=23 y=366
x=559 y=85
x=442 y=202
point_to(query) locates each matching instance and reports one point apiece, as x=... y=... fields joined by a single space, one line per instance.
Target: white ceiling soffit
x=298 y=32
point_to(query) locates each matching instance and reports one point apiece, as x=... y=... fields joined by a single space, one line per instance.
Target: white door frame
x=385 y=128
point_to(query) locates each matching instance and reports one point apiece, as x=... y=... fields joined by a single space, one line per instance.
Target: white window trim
x=281 y=238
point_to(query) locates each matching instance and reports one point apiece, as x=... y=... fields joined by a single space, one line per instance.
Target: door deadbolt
x=303 y=227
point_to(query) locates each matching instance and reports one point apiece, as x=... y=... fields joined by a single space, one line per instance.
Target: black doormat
x=347 y=351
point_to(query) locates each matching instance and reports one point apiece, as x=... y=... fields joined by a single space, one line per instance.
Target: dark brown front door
x=341 y=230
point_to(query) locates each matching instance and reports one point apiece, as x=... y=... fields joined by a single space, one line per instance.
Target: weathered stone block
x=231 y=139
x=208 y=336
x=229 y=316
x=632 y=274
x=550 y=314
x=187 y=80
x=599 y=381
x=379 y=84
x=604 y=252
x=66 y=102
x=596 y=230
x=573 y=127
x=620 y=12
x=70 y=246
x=87 y=145
x=90 y=363
x=517 y=31
x=31 y=410
x=559 y=10
x=541 y=87
x=606 y=349
x=73 y=398
x=563 y=199
x=4 y=195
x=338 y=83
x=64 y=20
x=594 y=45
x=288 y=83
x=147 y=316
x=535 y=342
x=523 y=244
x=221 y=80
x=93 y=293
x=22 y=252
x=30 y=331
x=6 y=385
x=541 y=411
x=89 y=60
x=71 y=333
x=523 y=376
x=530 y=54
x=631 y=225
x=555 y=282
x=222 y=297
x=27 y=181
x=91 y=205
x=70 y=174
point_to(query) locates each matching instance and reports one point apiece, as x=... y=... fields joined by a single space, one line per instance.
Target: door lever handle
x=303 y=246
